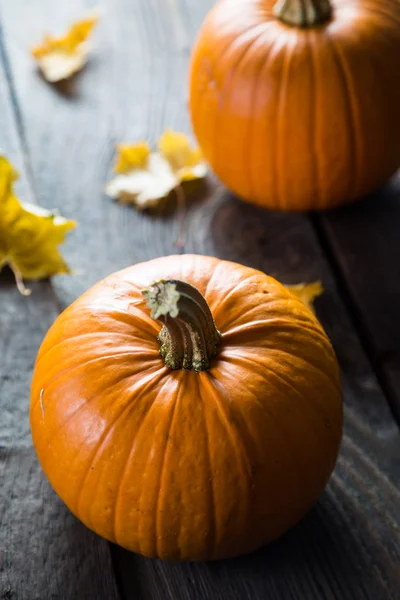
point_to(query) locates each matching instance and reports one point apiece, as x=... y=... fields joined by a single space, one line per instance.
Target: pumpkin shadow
x=320 y=553
x=280 y=244
x=380 y=208
x=384 y=200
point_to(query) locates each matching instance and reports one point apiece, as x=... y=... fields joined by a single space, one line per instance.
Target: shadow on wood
x=67 y=88
x=323 y=537
x=7 y=279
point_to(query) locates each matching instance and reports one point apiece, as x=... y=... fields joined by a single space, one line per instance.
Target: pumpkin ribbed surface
x=178 y=464
x=299 y=118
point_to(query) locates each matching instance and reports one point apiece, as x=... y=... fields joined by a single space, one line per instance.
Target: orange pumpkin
x=211 y=447
x=295 y=103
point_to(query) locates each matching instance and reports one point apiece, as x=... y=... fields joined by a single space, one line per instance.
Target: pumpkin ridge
x=265 y=67
x=72 y=415
x=223 y=53
x=287 y=54
x=227 y=296
x=162 y=471
x=61 y=342
x=352 y=120
x=267 y=325
x=210 y=282
x=128 y=407
x=233 y=434
x=232 y=359
x=287 y=383
x=332 y=381
x=78 y=365
x=213 y=509
x=266 y=409
x=247 y=316
x=319 y=200
x=251 y=124
x=84 y=404
x=229 y=82
x=134 y=310
x=130 y=454
x=242 y=459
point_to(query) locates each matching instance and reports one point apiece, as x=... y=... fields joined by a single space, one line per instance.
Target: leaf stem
x=24 y=291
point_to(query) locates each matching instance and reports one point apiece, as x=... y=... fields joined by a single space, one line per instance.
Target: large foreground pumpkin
x=174 y=463
x=296 y=103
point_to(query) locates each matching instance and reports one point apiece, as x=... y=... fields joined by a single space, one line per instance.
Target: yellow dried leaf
x=186 y=161
x=61 y=57
x=132 y=157
x=143 y=184
x=145 y=178
x=307 y=292
x=29 y=235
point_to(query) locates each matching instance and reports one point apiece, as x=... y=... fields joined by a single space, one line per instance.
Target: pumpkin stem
x=303 y=13
x=189 y=338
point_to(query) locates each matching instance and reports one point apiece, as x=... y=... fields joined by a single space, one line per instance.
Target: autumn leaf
x=144 y=178
x=29 y=235
x=187 y=162
x=307 y=292
x=61 y=57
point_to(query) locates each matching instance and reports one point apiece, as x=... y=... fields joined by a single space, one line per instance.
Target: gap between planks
x=377 y=365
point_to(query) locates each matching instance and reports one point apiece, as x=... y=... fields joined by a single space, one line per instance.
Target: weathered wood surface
x=135 y=85
x=44 y=551
x=364 y=241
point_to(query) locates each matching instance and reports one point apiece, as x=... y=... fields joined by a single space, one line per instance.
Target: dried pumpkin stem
x=189 y=338
x=303 y=13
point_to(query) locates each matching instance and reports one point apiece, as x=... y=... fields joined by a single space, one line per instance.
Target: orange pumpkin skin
x=178 y=464
x=296 y=118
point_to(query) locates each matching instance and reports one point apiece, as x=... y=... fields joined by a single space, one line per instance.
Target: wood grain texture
x=44 y=551
x=364 y=241
x=348 y=547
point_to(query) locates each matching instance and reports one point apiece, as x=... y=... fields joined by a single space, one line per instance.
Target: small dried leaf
x=132 y=157
x=146 y=178
x=143 y=186
x=307 y=292
x=186 y=161
x=61 y=57
x=29 y=235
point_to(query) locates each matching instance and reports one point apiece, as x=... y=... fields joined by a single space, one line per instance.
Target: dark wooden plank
x=347 y=548
x=364 y=242
x=44 y=551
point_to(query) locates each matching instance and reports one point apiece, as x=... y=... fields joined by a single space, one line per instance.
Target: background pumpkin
x=179 y=464
x=295 y=104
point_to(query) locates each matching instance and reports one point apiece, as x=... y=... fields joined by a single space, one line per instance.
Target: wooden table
x=62 y=141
